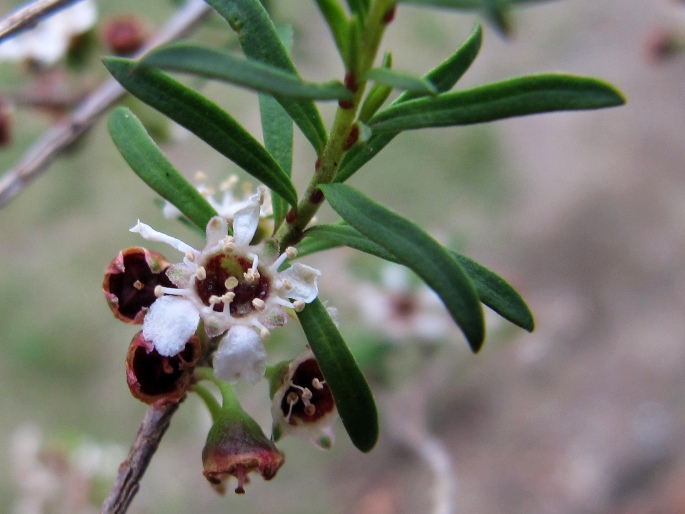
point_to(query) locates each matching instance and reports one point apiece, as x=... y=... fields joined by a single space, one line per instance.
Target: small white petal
x=169 y=323
x=304 y=280
x=217 y=230
x=240 y=354
x=246 y=221
x=152 y=235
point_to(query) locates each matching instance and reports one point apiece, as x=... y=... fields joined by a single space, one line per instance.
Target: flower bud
x=124 y=35
x=158 y=380
x=130 y=282
x=302 y=402
x=236 y=446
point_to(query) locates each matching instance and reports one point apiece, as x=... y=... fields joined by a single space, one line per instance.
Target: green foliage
x=513 y=97
x=205 y=119
x=443 y=77
x=492 y=290
x=361 y=128
x=260 y=41
x=149 y=163
x=414 y=248
x=216 y=64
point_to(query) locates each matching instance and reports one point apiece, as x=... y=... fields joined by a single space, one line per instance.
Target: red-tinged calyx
x=130 y=281
x=235 y=447
x=157 y=380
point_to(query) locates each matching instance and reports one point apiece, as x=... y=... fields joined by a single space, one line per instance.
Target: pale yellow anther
x=264 y=334
x=138 y=285
x=259 y=304
x=206 y=191
x=229 y=183
x=299 y=305
x=318 y=384
x=214 y=299
x=200 y=176
x=158 y=291
x=231 y=282
x=190 y=256
x=287 y=285
x=252 y=276
x=306 y=393
x=228 y=297
x=229 y=244
x=201 y=273
x=291 y=252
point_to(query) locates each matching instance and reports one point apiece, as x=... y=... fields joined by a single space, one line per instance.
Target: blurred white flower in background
x=403 y=309
x=49 y=40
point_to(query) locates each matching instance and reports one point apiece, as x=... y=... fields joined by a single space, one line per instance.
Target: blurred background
x=583 y=213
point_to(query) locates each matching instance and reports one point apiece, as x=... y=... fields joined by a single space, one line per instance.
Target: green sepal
x=210 y=63
x=205 y=119
x=400 y=80
x=519 y=96
x=149 y=163
x=443 y=77
x=492 y=290
x=414 y=248
x=350 y=390
x=260 y=41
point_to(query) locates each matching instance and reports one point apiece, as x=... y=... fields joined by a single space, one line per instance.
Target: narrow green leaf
x=260 y=41
x=443 y=77
x=513 y=97
x=215 y=64
x=150 y=164
x=336 y=19
x=277 y=130
x=400 y=80
x=344 y=235
x=497 y=293
x=492 y=290
x=205 y=119
x=418 y=251
x=350 y=390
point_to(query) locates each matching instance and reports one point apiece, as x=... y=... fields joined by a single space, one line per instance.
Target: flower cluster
x=218 y=305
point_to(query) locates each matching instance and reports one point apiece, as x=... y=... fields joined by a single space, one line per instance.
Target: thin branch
x=27 y=17
x=131 y=471
x=61 y=135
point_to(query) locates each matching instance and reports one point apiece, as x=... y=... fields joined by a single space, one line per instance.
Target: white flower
x=48 y=41
x=230 y=202
x=240 y=353
x=401 y=310
x=228 y=283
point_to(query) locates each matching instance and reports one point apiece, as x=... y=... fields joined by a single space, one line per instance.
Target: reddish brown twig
x=131 y=471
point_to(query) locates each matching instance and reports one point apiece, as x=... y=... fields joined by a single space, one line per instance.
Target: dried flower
x=158 y=380
x=302 y=403
x=130 y=282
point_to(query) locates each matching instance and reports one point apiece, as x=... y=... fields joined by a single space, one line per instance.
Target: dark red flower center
x=218 y=270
